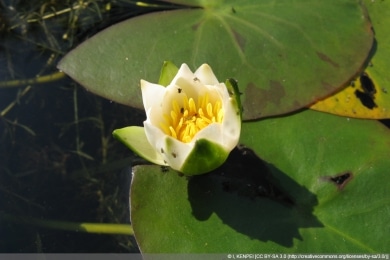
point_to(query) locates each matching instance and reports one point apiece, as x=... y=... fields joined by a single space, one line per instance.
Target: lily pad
x=315 y=189
x=343 y=162
x=284 y=54
x=176 y=216
x=373 y=99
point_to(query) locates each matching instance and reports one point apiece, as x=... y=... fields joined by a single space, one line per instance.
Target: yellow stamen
x=173 y=133
x=183 y=122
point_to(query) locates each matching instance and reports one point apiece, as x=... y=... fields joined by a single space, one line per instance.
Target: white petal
x=178 y=92
x=184 y=72
x=231 y=125
x=172 y=151
x=185 y=81
x=152 y=94
x=188 y=86
x=176 y=152
x=206 y=75
x=155 y=136
x=212 y=132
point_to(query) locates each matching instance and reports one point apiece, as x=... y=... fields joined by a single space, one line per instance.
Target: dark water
x=58 y=160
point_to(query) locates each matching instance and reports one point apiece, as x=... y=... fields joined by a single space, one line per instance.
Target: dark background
x=58 y=160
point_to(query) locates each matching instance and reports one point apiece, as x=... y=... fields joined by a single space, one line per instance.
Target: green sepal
x=234 y=92
x=204 y=157
x=134 y=138
x=168 y=72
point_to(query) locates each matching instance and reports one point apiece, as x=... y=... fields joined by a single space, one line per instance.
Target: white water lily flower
x=192 y=124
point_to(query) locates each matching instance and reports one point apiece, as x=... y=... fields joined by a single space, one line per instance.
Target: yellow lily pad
x=363 y=98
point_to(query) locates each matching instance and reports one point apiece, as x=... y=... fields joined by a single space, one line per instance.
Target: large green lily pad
x=284 y=54
x=321 y=186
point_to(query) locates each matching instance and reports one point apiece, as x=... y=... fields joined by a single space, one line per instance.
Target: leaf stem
x=98 y=228
x=38 y=80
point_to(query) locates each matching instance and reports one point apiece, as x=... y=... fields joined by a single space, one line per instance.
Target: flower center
x=185 y=121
